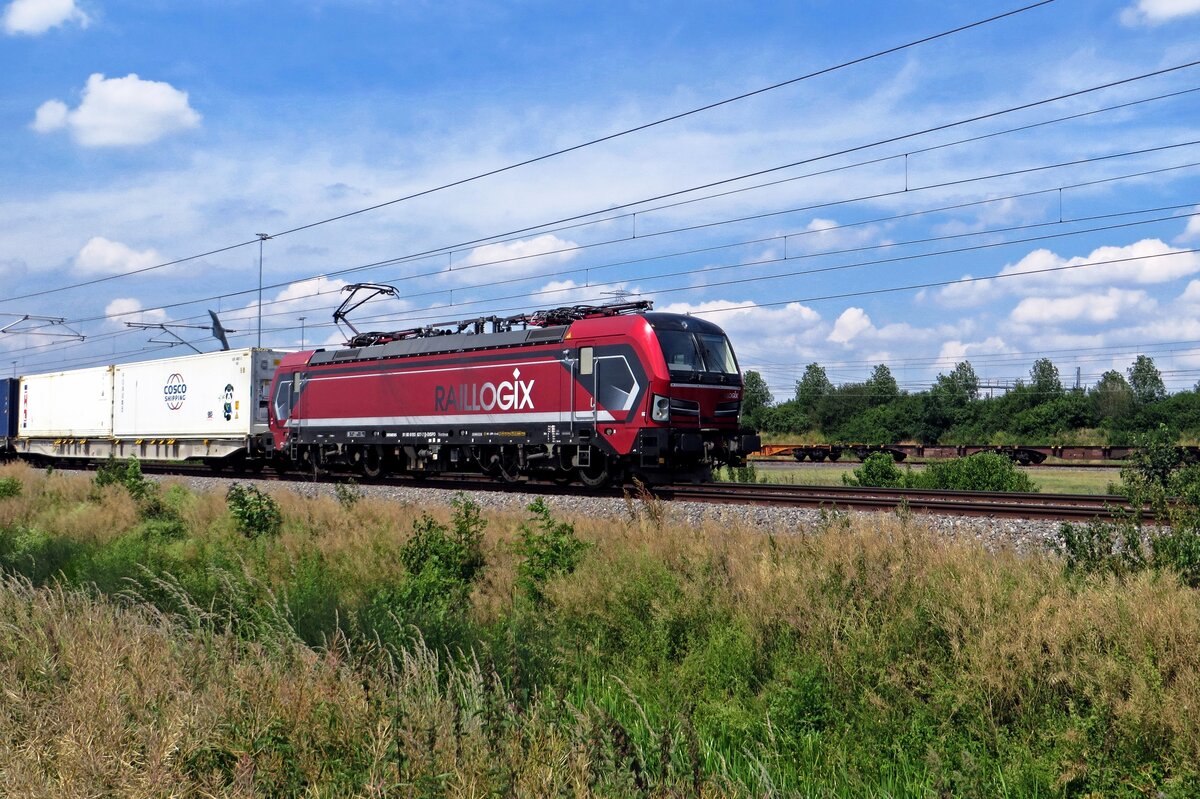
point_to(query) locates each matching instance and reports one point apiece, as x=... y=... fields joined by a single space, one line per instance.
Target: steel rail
x=1054 y=507
x=985 y=504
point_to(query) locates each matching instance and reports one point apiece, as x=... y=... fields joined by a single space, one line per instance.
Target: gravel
x=1019 y=535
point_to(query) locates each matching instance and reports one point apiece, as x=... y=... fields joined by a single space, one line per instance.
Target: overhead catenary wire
x=675 y=193
x=708 y=249
x=815 y=206
x=445 y=309
x=911 y=287
x=579 y=146
x=220 y=297
x=281 y=284
x=859 y=293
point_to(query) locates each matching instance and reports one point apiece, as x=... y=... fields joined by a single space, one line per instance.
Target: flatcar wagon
x=588 y=393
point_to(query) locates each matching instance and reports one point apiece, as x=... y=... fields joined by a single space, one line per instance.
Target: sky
x=1025 y=188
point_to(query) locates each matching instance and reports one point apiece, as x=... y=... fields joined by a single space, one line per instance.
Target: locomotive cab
x=693 y=412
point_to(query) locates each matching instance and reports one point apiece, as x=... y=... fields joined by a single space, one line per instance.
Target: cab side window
x=283 y=400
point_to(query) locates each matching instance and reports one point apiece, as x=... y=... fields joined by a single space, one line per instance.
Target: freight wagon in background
x=1021 y=454
x=8 y=415
x=211 y=407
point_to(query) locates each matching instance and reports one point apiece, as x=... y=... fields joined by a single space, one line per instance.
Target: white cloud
x=1145 y=262
x=129 y=309
x=118 y=112
x=1106 y=307
x=1154 y=12
x=829 y=234
x=51 y=115
x=1191 y=293
x=568 y=292
x=1191 y=233
x=966 y=294
x=100 y=256
x=33 y=17
x=852 y=322
x=739 y=313
x=959 y=351
x=517 y=257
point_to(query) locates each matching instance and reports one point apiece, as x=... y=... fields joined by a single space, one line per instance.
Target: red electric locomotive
x=593 y=393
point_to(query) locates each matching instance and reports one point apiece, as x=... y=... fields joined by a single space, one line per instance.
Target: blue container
x=8 y=406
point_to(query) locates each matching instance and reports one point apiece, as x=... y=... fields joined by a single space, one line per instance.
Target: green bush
x=548 y=549
x=743 y=474
x=348 y=494
x=983 y=471
x=256 y=513
x=10 y=487
x=452 y=557
x=1179 y=551
x=442 y=565
x=1102 y=548
x=34 y=553
x=124 y=473
x=1156 y=459
x=878 y=470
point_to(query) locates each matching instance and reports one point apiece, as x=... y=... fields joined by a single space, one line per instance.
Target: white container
x=75 y=404
x=216 y=395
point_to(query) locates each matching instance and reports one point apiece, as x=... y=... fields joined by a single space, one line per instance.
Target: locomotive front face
x=694 y=412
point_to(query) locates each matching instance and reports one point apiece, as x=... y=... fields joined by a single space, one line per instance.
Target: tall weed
x=256 y=513
x=548 y=548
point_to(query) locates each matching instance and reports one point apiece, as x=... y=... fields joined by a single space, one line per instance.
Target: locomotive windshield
x=697 y=352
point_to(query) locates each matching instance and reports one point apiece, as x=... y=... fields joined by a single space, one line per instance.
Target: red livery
x=594 y=393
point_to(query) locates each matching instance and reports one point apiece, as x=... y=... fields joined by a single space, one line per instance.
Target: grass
x=1051 y=480
x=151 y=647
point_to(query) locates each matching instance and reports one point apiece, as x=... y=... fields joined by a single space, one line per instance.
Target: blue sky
x=134 y=133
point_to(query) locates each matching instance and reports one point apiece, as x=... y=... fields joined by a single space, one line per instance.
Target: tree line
x=1116 y=410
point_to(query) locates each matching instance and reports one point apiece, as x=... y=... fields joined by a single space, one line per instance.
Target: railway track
x=1047 y=507
x=1051 y=507
x=791 y=463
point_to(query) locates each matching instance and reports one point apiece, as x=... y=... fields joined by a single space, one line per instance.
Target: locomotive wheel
x=371 y=464
x=597 y=475
x=508 y=466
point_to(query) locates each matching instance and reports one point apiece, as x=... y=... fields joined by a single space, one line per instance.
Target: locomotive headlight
x=660 y=409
